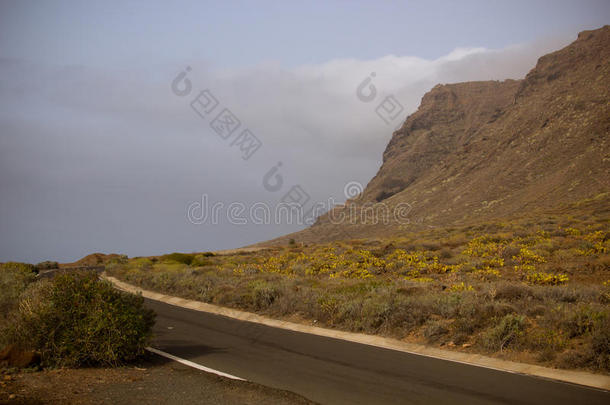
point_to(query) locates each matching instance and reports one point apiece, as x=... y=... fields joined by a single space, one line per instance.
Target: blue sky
x=97 y=154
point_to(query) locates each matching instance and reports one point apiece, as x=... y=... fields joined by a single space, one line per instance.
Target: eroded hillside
x=487 y=150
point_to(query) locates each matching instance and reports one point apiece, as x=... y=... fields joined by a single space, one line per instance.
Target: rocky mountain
x=487 y=150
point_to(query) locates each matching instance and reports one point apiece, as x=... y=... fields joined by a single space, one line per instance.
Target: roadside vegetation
x=534 y=292
x=72 y=320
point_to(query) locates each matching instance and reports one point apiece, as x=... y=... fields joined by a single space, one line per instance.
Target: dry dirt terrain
x=152 y=381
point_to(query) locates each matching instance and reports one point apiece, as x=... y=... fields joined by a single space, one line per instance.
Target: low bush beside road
x=74 y=319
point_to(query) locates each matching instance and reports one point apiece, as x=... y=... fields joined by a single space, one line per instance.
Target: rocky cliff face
x=448 y=121
x=481 y=150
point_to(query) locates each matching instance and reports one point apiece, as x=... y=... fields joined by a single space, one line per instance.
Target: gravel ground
x=153 y=381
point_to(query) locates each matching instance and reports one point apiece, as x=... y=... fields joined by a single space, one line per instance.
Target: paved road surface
x=332 y=371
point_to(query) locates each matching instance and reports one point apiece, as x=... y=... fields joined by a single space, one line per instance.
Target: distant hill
x=480 y=151
x=94 y=259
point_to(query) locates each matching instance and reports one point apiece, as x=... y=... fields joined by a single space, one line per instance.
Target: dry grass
x=537 y=291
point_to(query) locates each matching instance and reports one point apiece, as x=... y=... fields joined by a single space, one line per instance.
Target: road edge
x=583 y=378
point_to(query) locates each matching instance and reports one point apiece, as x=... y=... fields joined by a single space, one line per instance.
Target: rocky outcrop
x=483 y=150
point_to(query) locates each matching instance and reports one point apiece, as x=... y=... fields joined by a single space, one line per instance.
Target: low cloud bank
x=110 y=160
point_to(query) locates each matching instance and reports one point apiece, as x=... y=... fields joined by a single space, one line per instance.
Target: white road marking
x=194 y=365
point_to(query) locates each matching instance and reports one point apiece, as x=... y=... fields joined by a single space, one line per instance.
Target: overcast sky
x=99 y=153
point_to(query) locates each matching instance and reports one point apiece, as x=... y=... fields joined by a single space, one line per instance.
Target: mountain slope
x=485 y=150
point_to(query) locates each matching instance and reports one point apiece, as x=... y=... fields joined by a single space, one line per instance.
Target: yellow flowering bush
x=322 y=261
x=546 y=278
x=238 y=270
x=419 y=261
x=490 y=252
x=460 y=287
x=495 y=262
x=572 y=231
x=411 y=260
x=594 y=236
x=357 y=264
x=366 y=259
x=526 y=260
x=597 y=240
x=439 y=268
x=328 y=305
x=487 y=273
x=352 y=272
x=483 y=247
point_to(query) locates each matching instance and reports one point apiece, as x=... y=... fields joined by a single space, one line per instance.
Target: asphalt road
x=332 y=371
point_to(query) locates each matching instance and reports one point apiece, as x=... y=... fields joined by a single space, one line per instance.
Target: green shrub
x=435 y=330
x=507 y=331
x=376 y=311
x=77 y=319
x=547 y=343
x=263 y=293
x=464 y=326
x=574 y=358
x=327 y=307
x=600 y=343
x=582 y=320
x=120 y=259
x=14 y=279
x=47 y=265
x=17 y=266
x=201 y=260
x=183 y=258
x=512 y=291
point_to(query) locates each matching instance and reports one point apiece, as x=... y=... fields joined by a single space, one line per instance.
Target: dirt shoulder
x=153 y=381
